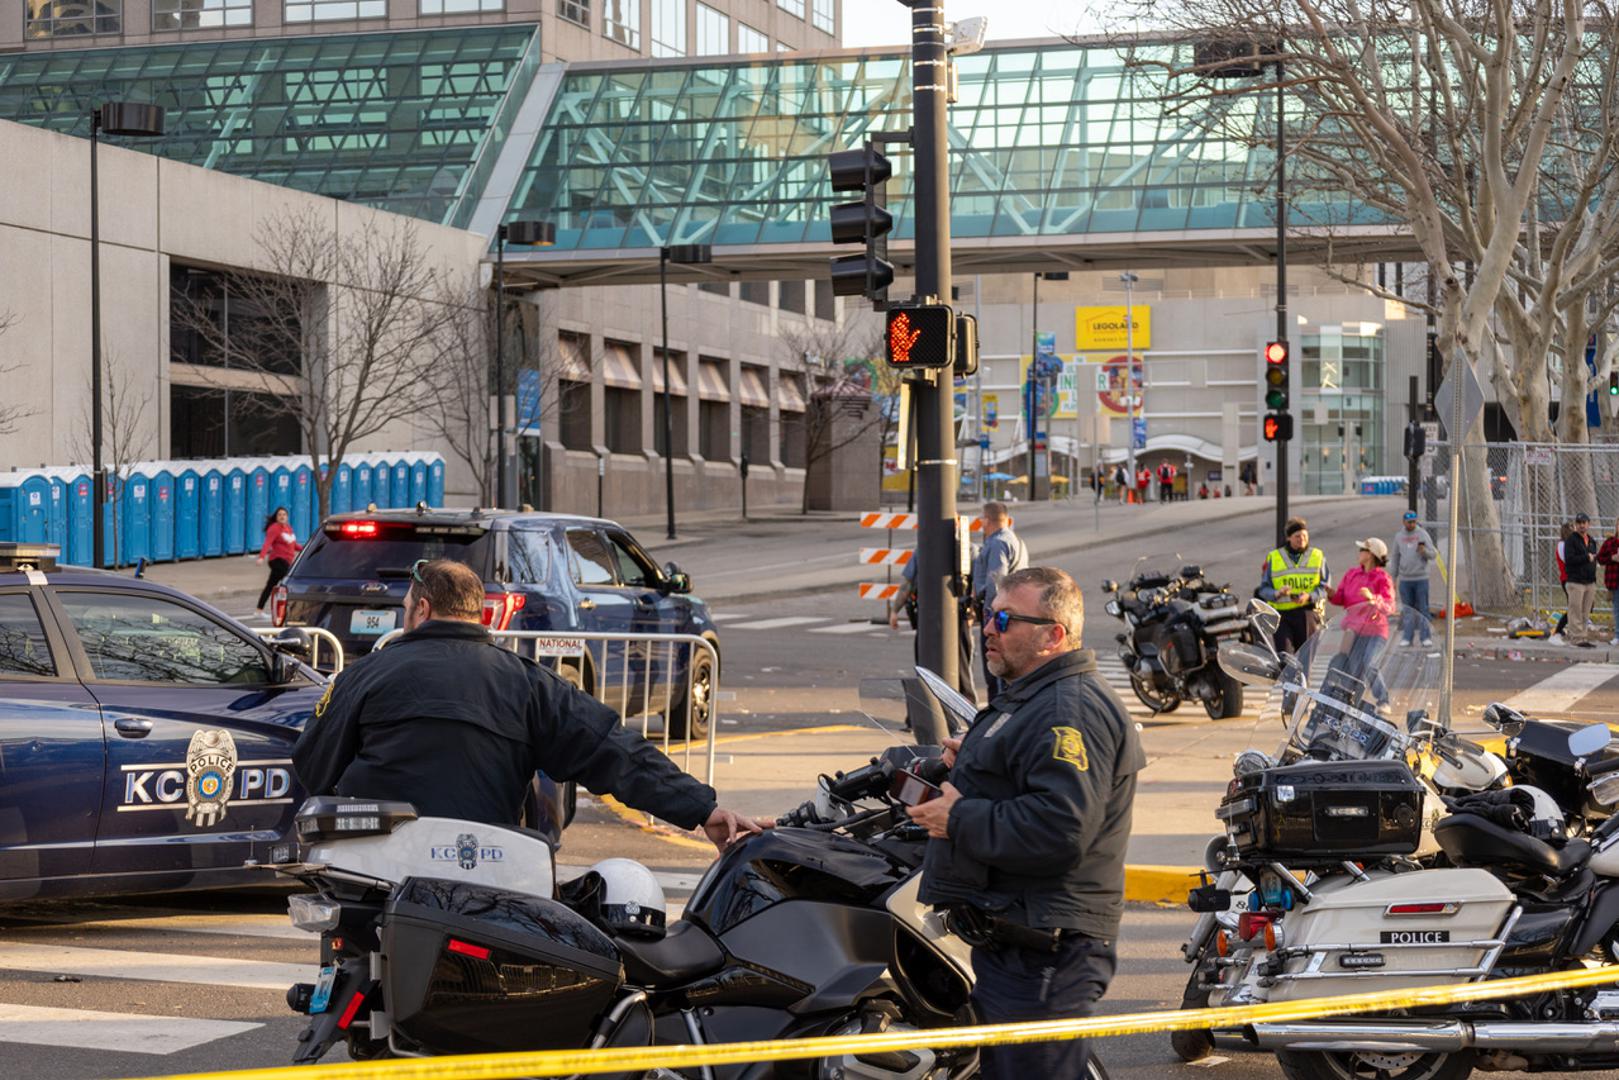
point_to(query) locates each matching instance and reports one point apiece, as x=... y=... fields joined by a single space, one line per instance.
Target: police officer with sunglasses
x=1027 y=838
x=444 y=719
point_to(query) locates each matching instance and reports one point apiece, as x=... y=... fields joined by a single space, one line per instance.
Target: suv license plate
x=372 y=621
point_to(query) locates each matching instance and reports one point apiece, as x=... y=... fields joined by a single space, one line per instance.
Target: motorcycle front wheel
x=1152 y=699
x=1354 y=1065
x=1228 y=702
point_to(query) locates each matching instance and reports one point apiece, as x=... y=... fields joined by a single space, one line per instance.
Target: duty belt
x=980 y=929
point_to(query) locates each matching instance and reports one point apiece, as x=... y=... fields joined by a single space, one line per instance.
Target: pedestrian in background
x=1143 y=483
x=1027 y=838
x=1412 y=551
x=1121 y=481
x=1295 y=581
x=1002 y=553
x=1580 y=557
x=281 y=546
x=1608 y=559
x=1366 y=594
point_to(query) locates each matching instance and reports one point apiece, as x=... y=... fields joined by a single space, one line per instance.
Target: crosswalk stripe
x=154 y=967
x=844 y=628
x=131 y=1032
x=777 y=624
x=276 y=927
x=727 y=616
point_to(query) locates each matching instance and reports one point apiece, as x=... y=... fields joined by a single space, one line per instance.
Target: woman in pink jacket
x=1366 y=593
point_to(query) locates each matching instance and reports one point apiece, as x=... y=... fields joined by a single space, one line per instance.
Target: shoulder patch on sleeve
x=1069 y=746
x=325 y=699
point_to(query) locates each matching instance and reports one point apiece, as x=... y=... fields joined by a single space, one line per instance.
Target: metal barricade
x=317 y=637
x=560 y=645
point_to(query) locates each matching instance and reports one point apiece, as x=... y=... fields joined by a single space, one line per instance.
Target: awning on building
x=789 y=392
x=677 y=374
x=751 y=391
x=573 y=358
x=711 y=381
x=619 y=367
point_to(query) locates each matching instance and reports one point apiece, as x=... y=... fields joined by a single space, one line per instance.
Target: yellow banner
x=1097 y=328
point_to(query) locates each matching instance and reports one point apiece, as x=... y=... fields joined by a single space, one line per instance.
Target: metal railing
x=317 y=636
x=561 y=645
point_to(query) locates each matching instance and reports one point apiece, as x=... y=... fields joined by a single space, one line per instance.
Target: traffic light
x=921 y=336
x=864 y=222
x=1613 y=384
x=1278 y=427
x=1276 y=376
x=966 y=346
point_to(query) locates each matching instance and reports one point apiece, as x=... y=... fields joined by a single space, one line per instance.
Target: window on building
x=573 y=414
x=677 y=398
x=715 y=288
x=200 y=14
x=217 y=320
x=713 y=32
x=782 y=46
x=622 y=398
x=792 y=7
x=460 y=7
x=209 y=422
x=621 y=21
x=791 y=296
x=755 y=401
x=756 y=292
x=668 y=27
x=825 y=302
x=749 y=40
x=72 y=18
x=790 y=409
x=714 y=410
x=331 y=10
x=575 y=11
x=824 y=15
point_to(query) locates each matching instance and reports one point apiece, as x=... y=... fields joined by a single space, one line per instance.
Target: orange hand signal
x=901 y=339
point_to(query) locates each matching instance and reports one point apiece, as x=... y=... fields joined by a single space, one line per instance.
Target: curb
x=1159 y=884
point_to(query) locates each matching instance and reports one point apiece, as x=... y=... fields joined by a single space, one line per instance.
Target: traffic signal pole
x=1282 y=450
x=937 y=610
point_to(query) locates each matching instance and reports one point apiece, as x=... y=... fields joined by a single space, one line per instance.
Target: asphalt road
x=194 y=983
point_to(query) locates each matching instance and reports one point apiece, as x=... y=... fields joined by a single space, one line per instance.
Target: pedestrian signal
x=1278 y=427
x=1276 y=376
x=921 y=336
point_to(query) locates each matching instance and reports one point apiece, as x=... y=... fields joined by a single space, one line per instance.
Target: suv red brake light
x=358 y=530
x=278 y=606
x=499 y=607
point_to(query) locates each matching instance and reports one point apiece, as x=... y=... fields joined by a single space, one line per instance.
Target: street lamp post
x=1130 y=280
x=115 y=118
x=529 y=234
x=680 y=255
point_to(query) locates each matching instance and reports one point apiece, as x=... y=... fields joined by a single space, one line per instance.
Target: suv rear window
x=391 y=549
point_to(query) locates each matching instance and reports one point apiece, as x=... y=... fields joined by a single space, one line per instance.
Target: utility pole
x=1031 y=384
x=936 y=539
x=1130 y=280
x=1282 y=449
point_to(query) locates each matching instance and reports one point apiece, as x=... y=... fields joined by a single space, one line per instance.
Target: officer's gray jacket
x=1047 y=776
x=1001 y=554
x=447 y=721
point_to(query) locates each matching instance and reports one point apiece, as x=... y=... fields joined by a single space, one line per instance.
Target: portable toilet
x=418 y=481
x=381 y=481
x=56 y=513
x=280 y=486
x=112 y=513
x=435 y=480
x=136 y=514
x=212 y=513
x=81 y=520
x=187 y=511
x=399 y=482
x=343 y=489
x=258 y=503
x=298 y=502
x=360 y=481
x=236 y=531
x=25 y=508
x=162 y=512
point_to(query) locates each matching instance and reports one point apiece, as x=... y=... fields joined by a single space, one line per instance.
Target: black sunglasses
x=1003 y=619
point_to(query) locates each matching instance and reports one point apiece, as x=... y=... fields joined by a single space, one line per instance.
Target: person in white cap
x=1366 y=593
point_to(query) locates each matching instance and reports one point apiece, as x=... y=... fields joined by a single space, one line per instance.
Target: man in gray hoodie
x=1409 y=555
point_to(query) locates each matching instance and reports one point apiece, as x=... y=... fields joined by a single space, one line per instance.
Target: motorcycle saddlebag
x=1318 y=812
x=469 y=968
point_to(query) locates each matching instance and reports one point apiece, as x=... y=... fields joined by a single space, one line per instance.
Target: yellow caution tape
x=641 y=1058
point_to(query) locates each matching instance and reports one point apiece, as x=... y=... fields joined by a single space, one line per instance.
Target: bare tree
x=126 y=437
x=1454 y=118
x=11 y=414
x=463 y=379
x=844 y=376
x=340 y=330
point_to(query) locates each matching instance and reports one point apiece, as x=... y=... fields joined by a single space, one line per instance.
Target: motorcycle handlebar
x=1602 y=768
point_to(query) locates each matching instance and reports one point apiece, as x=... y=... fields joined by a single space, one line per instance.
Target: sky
x=887 y=22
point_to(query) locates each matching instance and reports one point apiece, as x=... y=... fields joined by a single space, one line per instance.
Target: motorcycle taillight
x=278 y=606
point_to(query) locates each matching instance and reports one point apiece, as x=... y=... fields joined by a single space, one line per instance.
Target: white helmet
x=1545 y=817
x=632 y=901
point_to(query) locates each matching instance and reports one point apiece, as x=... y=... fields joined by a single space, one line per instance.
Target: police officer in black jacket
x=1028 y=836
x=447 y=721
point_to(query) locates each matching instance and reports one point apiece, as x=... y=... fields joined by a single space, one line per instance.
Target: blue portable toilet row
x=172 y=510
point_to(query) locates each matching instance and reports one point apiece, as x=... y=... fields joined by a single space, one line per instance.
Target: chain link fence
x=1534 y=489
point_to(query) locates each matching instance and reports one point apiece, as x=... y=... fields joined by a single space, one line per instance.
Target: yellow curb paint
x=1159 y=884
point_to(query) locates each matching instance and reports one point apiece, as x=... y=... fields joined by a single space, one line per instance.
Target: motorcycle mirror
x=1266 y=617
x=1605 y=790
x=1505 y=719
x=1248 y=665
x=1109 y=585
x=1589 y=740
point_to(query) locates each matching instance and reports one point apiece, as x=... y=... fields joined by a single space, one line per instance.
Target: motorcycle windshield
x=1352 y=694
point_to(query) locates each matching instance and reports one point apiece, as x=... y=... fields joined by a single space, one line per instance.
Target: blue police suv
x=145 y=737
x=544 y=572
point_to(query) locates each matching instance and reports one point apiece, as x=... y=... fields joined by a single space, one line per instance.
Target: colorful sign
x=1108 y=329
x=1067 y=406
x=1120 y=385
x=992 y=411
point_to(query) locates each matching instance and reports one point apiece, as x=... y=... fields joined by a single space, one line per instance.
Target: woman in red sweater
x=281 y=546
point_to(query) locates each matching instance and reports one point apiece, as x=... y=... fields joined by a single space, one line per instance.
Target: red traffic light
x=1276 y=352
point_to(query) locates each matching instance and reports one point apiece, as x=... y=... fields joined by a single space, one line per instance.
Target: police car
x=145 y=737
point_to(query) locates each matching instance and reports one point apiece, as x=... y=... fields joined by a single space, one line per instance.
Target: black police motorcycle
x=1176 y=625
x=441 y=936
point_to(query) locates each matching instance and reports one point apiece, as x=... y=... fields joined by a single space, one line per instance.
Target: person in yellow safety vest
x=1295 y=581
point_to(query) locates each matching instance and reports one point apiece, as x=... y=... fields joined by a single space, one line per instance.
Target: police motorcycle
x=1175 y=624
x=1507 y=893
x=441 y=936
